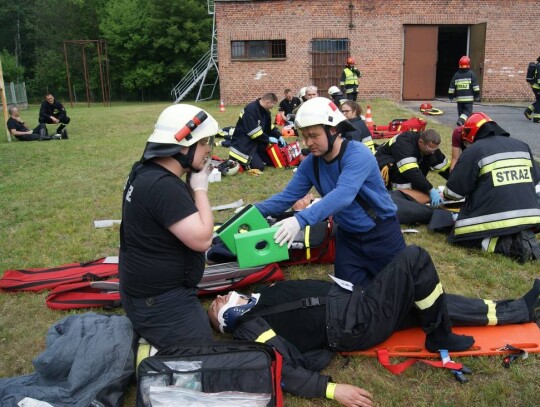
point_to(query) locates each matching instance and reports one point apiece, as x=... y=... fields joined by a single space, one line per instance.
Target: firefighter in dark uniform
x=532 y=112
x=496 y=175
x=349 y=79
x=53 y=112
x=464 y=89
x=253 y=132
x=408 y=157
x=307 y=321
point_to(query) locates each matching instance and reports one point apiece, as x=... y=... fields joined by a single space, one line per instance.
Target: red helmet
x=425 y=106
x=351 y=61
x=472 y=125
x=465 y=62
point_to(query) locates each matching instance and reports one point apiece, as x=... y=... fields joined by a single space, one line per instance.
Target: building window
x=269 y=49
x=331 y=45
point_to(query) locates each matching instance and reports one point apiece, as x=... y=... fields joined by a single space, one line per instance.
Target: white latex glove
x=287 y=231
x=199 y=180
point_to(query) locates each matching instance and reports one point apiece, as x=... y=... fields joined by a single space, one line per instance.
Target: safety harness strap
x=289 y=306
x=398 y=368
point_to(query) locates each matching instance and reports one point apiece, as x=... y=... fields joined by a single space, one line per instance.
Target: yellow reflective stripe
x=491 y=312
x=442 y=166
x=407 y=167
x=370 y=144
x=464 y=99
x=330 y=390
x=306 y=242
x=143 y=351
x=256 y=132
x=238 y=157
x=277 y=161
x=266 y=336
x=510 y=162
x=431 y=298
x=499 y=224
x=449 y=194
x=393 y=140
x=492 y=243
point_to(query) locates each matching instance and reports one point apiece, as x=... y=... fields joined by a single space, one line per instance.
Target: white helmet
x=318 y=110
x=229 y=167
x=334 y=90
x=179 y=126
x=302 y=92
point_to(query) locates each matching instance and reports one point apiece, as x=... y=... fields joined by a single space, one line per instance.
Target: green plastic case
x=248 y=219
x=257 y=248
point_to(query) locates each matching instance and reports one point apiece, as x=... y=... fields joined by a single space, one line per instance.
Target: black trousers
x=35 y=136
x=64 y=120
x=464 y=110
x=170 y=318
x=392 y=303
x=352 y=96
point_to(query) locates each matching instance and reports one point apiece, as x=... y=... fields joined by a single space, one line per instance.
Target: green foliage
x=11 y=71
x=151 y=43
x=51 y=192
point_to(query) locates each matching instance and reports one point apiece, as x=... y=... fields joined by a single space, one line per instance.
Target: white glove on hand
x=288 y=229
x=199 y=180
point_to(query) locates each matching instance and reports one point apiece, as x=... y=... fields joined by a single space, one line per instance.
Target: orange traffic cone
x=221 y=106
x=369 y=117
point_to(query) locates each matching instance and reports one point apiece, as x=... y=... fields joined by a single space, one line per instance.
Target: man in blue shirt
x=347 y=177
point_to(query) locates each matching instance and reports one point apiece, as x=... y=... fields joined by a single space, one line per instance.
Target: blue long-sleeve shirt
x=354 y=171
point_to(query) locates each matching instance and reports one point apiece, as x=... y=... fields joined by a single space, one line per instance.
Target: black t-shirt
x=305 y=328
x=15 y=124
x=153 y=260
x=47 y=110
x=287 y=106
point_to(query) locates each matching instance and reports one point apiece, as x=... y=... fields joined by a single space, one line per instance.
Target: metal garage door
x=420 y=62
x=328 y=60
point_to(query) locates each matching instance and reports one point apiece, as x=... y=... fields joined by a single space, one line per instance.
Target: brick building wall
x=376 y=40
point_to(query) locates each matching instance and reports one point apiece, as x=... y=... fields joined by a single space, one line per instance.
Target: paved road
x=509 y=116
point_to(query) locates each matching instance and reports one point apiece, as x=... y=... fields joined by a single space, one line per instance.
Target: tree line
x=150 y=45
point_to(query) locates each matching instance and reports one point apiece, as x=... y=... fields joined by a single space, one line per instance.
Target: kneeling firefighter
x=253 y=132
x=496 y=175
x=167 y=225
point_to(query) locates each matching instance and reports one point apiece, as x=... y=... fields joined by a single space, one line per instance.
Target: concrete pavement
x=509 y=116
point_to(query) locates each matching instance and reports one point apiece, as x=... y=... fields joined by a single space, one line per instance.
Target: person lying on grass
x=307 y=321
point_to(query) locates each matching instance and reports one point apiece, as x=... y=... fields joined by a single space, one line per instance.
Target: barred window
x=267 y=49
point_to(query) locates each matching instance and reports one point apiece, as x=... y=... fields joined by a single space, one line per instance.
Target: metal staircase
x=198 y=74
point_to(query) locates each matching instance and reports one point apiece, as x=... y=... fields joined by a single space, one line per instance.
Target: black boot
x=532 y=300
x=521 y=246
x=436 y=324
x=439 y=339
x=43 y=134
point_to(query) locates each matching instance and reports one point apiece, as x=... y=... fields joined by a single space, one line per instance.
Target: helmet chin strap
x=186 y=160
x=331 y=138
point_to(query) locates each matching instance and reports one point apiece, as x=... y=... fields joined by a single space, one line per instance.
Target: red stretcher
x=489 y=340
x=397 y=126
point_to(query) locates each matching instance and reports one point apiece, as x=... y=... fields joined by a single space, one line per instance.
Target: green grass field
x=51 y=192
